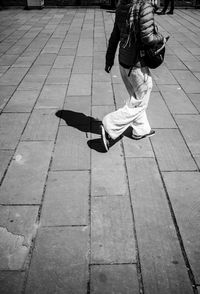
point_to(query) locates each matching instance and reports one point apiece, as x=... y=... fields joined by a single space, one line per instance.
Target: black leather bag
x=153 y=56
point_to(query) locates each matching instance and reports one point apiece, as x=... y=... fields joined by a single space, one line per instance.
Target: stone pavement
x=74 y=219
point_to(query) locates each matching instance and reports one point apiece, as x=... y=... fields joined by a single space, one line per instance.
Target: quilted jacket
x=145 y=33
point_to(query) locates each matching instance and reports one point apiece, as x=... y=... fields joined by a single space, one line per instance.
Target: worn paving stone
x=58 y=76
x=13 y=76
x=85 y=47
x=22 y=101
x=52 y=96
x=137 y=148
x=82 y=64
x=42 y=126
x=108 y=175
x=195 y=100
x=73 y=153
x=24 y=61
x=45 y=59
x=190 y=128
x=112 y=236
x=8 y=59
x=5 y=94
x=171 y=151
x=173 y=62
x=177 y=100
x=11 y=128
x=187 y=80
x=29 y=165
x=72 y=195
x=17 y=229
x=102 y=93
x=161 y=118
x=49 y=271
x=100 y=76
x=80 y=84
x=120 y=278
x=63 y=62
x=163 y=76
x=180 y=186
x=157 y=240
x=5 y=157
x=11 y=282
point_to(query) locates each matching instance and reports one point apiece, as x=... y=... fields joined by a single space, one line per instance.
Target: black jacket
x=146 y=34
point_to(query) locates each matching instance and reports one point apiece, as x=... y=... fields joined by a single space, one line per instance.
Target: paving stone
x=99 y=60
x=30 y=165
x=3 y=69
x=195 y=100
x=8 y=59
x=100 y=76
x=5 y=157
x=173 y=62
x=161 y=118
x=112 y=237
x=82 y=64
x=72 y=195
x=108 y=175
x=102 y=93
x=45 y=59
x=157 y=240
x=52 y=96
x=30 y=86
x=13 y=76
x=17 y=229
x=190 y=128
x=180 y=186
x=49 y=271
x=85 y=47
x=24 y=61
x=5 y=94
x=120 y=278
x=11 y=282
x=193 y=66
x=58 y=76
x=80 y=84
x=121 y=94
x=22 y=101
x=187 y=80
x=63 y=62
x=134 y=148
x=71 y=151
x=11 y=128
x=116 y=75
x=42 y=126
x=76 y=111
x=177 y=100
x=171 y=151
x=163 y=76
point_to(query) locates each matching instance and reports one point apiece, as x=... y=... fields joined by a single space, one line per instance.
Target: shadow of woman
x=85 y=124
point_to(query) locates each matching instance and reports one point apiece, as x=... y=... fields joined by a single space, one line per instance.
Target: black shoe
x=106 y=139
x=150 y=134
x=170 y=12
x=160 y=12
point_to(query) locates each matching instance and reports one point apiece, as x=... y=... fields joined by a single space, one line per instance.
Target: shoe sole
x=103 y=136
x=145 y=136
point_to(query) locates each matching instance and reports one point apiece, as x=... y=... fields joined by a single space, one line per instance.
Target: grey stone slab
x=161 y=118
x=80 y=84
x=108 y=175
x=13 y=76
x=11 y=128
x=45 y=59
x=71 y=151
x=39 y=71
x=193 y=66
x=67 y=52
x=25 y=179
x=17 y=229
x=187 y=80
x=82 y=64
x=52 y=96
x=184 y=190
x=120 y=278
x=134 y=148
x=24 y=61
x=99 y=60
x=5 y=94
x=8 y=59
x=173 y=62
x=11 y=282
x=63 y=62
x=85 y=47
x=70 y=206
x=100 y=76
x=190 y=128
x=42 y=126
x=58 y=76
x=98 y=112
x=176 y=99
x=171 y=151
x=121 y=94
x=60 y=262
x=112 y=236
x=30 y=86
x=102 y=93
x=195 y=98
x=116 y=75
x=162 y=264
x=22 y=101
x=3 y=69
x=163 y=76
x=5 y=157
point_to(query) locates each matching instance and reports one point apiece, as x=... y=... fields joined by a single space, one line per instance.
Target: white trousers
x=133 y=113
